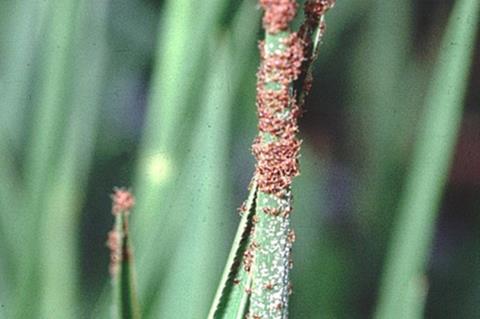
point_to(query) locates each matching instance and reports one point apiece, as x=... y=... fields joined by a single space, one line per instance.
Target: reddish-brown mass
x=122 y=201
x=115 y=246
x=315 y=9
x=278 y=14
x=276 y=147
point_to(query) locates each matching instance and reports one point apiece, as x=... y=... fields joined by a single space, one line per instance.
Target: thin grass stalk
x=286 y=58
x=231 y=298
x=125 y=301
x=436 y=139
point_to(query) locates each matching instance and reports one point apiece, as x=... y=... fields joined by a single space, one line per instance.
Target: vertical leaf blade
x=204 y=198
x=419 y=204
x=59 y=227
x=231 y=298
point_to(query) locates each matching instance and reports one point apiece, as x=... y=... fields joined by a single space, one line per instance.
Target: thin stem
x=286 y=58
x=121 y=258
x=232 y=295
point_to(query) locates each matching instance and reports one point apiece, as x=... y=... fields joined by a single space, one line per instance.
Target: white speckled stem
x=271 y=244
x=270 y=271
x=286 y=68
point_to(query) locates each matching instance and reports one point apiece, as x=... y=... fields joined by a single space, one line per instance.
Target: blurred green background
x=160 y=96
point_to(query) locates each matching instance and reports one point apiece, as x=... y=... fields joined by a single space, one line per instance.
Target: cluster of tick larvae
x=283 y=79
x=276 y=148
x=122 y=203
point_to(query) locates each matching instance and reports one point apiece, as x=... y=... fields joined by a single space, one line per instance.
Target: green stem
x=283 y=81
x=122 y=269
x=128 y=307
x=271 y=244
x=270 y=288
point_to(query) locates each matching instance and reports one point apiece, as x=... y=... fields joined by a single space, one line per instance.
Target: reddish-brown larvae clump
x=282 y=66
x=115 y=246
x=278 y=14
x=276 y=148
x=123 y=201
x=277 y=164
x=315 y=9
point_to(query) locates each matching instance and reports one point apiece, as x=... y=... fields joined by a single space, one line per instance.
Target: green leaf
x=382 y=52
x=20 y=37
x=49 y=120
x=166 y=194
x=232 y=295
x=179 y=73
x=415 y=297
x=10 y=195
x=436 y=139
x=191 y=263
x=58 y=265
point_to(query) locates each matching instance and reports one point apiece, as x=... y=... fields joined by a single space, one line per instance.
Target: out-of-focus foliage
x=159 y=95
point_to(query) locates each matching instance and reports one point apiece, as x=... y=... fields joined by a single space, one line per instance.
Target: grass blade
x=189 y=277
x=18 y=63
x=59 y=269
x=48 y=122
x=419 y=205
x=285 y=56
x=180 y=59
x=382 y=53
x=10 y=193
x=18 y=44
x=125 y=302
x=179 y=167
x=415 y=297
x=231 y=298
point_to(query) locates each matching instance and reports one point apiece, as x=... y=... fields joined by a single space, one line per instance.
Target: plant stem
x=271 y=246
x=121 y=259
x=286 y=58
